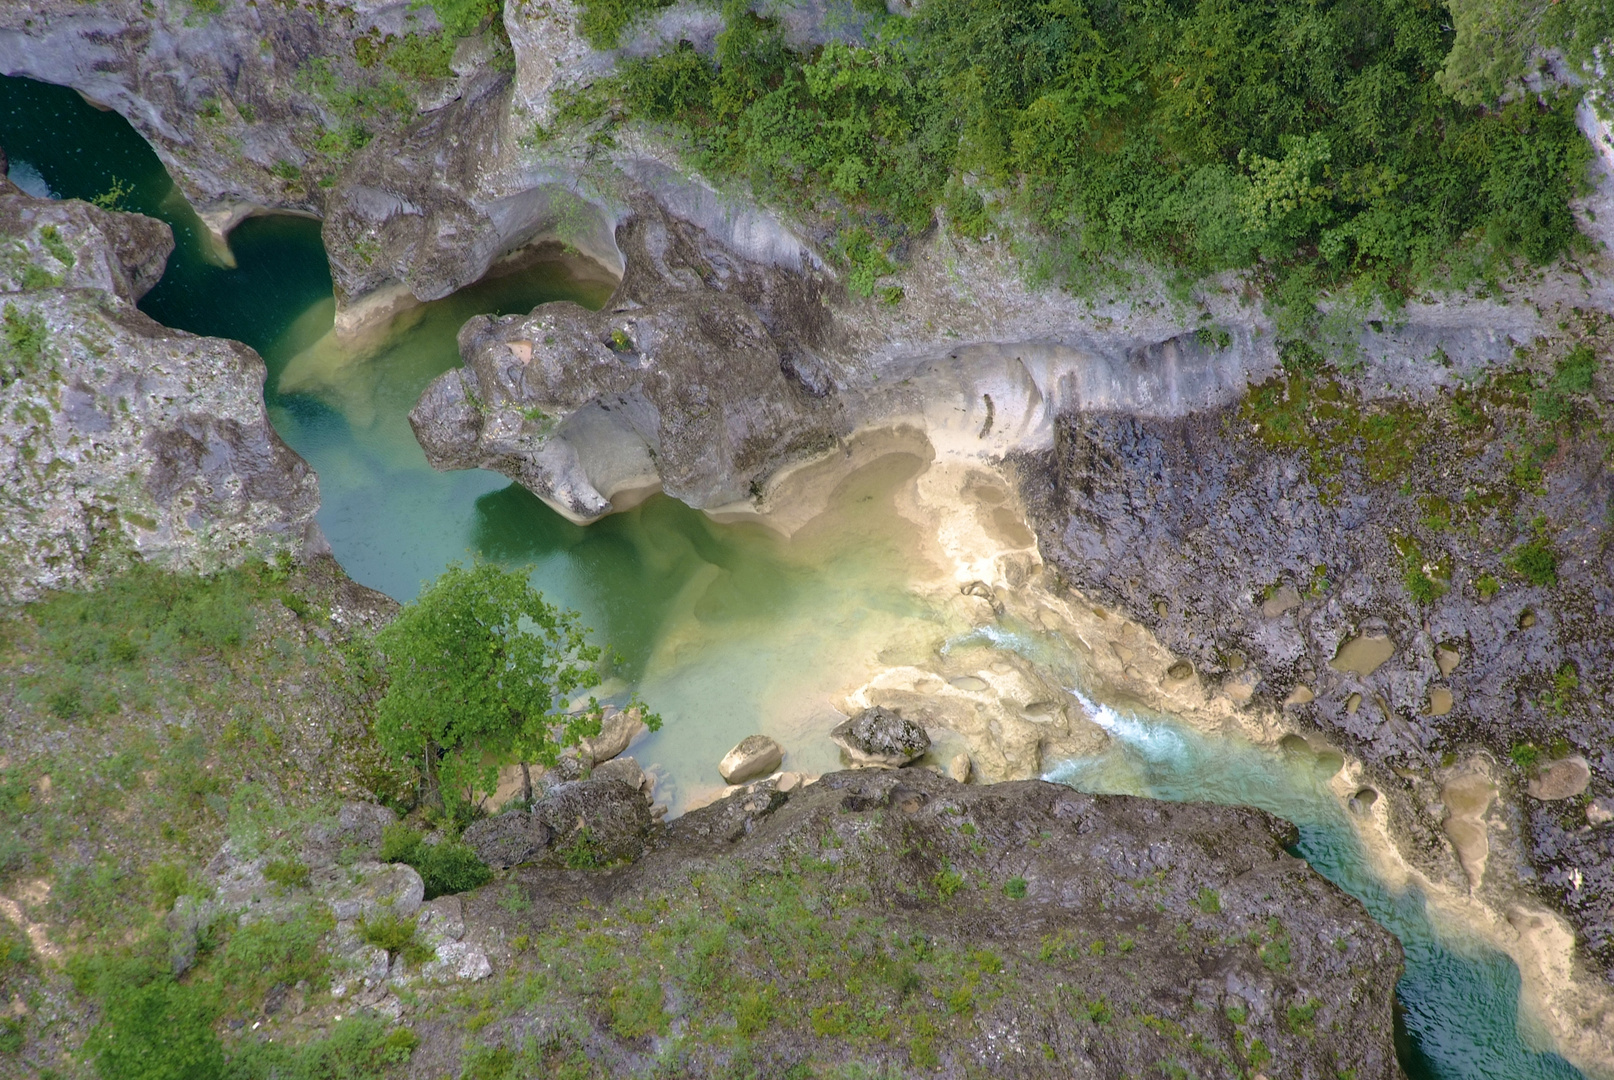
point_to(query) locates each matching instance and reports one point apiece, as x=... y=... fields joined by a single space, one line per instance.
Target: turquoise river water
x=724 y=629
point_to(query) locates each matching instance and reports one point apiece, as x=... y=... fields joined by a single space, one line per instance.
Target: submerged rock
x=754 y=756
x=879 y=736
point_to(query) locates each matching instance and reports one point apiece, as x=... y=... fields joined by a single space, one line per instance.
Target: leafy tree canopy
x=1317 y=139
x=482 y=671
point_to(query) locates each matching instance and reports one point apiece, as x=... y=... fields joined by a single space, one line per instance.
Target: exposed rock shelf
x=120 y=437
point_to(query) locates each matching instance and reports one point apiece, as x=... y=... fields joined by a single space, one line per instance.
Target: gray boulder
x=879 y=736
x=617 y=730
x=594 y=823
x=625 y=769
x=508 y=839
x=756 y=755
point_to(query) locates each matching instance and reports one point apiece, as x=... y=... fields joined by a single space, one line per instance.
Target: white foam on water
x=27 y=177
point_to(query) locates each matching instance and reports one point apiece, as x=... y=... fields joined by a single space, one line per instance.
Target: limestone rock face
x=1206 y=511
x=681 y=381
x=756 y=755
x=119 y=438
x=879 y=736
x=237 y=101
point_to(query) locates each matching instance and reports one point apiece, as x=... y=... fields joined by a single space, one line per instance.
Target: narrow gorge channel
x=731 y=628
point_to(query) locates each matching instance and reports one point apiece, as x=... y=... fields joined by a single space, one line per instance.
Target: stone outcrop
x=880 y=736
x=1194 y=526
x=579 y=823
x=681 y=381
x=1038 y=874
x=121 y=439
x=248 y=105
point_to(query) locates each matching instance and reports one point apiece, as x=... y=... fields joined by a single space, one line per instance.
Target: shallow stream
x=724 y=629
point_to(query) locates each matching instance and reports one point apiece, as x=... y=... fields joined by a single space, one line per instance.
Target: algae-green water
x=725 y=629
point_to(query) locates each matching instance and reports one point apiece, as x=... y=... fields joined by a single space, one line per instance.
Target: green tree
x=481 y=672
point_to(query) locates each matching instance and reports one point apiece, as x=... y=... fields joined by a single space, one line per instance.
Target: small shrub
x=1275 y=954
x=25 y=336
x=399 y=843
x=1423 y=588
x=1099 y=1011
x=357 y=1047
x=1526 y=756
x=1574 y=373
x=1209 y=901
x=169 y=881
x=1487 y=586
x=1536 y=562
x=1015 y=888
x=395 y=934
x=603 y=20
x=154 y=1028
x=287 y=873
x=582 y=853
x=947 y=881
x=266 y=951
x=754 y=1011
x=1300 y=1017
x=1548 y=404
x=447 y=867
x=635 y=1010
x=51 y=238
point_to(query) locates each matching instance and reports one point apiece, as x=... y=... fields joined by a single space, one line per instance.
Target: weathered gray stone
x=457 y=961
x=754 y=756
x=369 y=889
x=594 y=823
x=1561 y=779
x=623 y=769
x=120 y=439
x=508 y=839
x=879 y=736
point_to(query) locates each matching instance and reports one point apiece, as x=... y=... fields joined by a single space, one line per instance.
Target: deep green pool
x=724 y=629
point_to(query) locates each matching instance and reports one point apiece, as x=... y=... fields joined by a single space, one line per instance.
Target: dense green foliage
x=448 y=866
x=482 y=672
x=156 y=1027
x=1312 y=137
x=1498 y=42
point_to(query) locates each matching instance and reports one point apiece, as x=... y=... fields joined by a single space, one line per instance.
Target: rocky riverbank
x=1397 y=545
x=121 y=439
x=893 y=918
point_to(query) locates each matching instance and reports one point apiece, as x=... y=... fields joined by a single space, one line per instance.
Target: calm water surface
x=725 y=629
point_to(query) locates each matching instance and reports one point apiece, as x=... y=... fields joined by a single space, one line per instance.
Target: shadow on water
x=725 y=628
